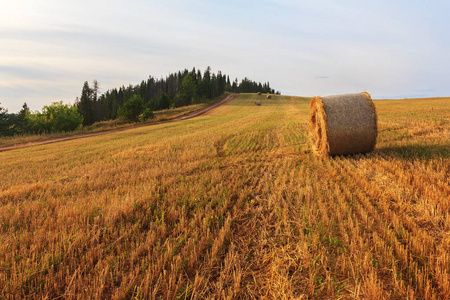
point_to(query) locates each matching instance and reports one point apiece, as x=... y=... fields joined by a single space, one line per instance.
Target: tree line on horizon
x=131 y=104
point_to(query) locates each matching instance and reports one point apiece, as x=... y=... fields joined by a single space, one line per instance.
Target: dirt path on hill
x=180 y=118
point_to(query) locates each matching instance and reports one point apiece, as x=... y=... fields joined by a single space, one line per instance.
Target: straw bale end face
x=318 y=127
x=343 y=124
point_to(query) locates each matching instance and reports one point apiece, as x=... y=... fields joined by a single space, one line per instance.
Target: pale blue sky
x=48 y=48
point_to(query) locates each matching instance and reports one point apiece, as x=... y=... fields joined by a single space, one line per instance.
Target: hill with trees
x=178 y=89
x=133 y=103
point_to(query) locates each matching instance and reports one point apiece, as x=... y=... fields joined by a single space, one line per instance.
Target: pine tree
x=214 y=87
x=85 y=106
x=228 y=88
x=234 y=87
x=23 y=119
x=95 y=91
x=164 y=101
x=4 y=124
x=98 y=110
x=206 y=84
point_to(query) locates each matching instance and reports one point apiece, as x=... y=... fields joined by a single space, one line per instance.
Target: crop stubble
x=232 y=204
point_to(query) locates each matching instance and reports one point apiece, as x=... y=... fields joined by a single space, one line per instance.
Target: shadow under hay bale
x=343 y=124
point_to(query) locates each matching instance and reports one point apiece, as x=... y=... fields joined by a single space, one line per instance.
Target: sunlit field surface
x=232 y=204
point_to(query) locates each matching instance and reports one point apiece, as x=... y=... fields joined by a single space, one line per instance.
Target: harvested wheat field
x=232 y=204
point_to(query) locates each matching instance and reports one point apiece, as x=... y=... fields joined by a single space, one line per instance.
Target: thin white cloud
x=380 y=46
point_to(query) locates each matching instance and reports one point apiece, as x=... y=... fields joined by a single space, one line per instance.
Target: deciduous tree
x=132 y=109
x=188 y=90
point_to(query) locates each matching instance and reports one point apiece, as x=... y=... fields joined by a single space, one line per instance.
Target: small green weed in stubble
x=232 y=204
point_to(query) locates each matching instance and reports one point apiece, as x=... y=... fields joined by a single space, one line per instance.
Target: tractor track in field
x=179 y=118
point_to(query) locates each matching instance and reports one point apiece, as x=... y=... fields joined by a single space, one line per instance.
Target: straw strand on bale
x=343 y=124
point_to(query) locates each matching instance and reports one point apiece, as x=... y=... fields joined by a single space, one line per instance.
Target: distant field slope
x=232 y=204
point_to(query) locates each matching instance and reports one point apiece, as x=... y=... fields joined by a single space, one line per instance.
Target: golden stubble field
x=229 y=205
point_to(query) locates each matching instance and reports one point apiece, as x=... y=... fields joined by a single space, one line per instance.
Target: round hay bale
x=258 y=103
x=269 y=97
x=259 y=93
x=343 y=124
